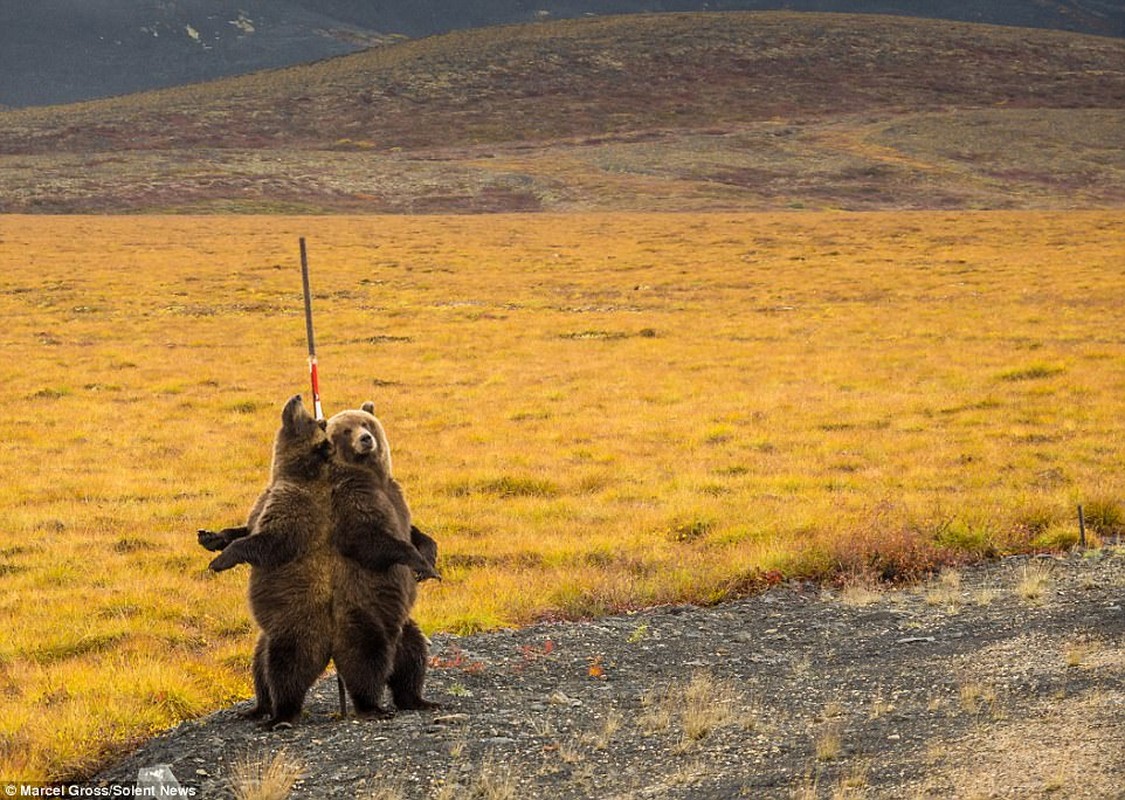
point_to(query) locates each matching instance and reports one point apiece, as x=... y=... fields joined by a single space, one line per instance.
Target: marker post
x=318 y=410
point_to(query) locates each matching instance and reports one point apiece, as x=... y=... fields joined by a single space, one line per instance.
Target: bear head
x=301 y=449
x=358 y=439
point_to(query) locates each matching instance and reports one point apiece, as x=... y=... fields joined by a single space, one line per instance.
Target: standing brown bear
x=291 y=566
x=376 y=643
x=370 y=540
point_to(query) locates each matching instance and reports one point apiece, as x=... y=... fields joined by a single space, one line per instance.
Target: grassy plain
x=588 y=412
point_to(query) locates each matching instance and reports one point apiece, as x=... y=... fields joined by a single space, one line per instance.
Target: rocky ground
x=1001 y=680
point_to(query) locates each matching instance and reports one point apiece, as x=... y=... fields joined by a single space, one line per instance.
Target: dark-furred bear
x=291 y=568
x=376 y=643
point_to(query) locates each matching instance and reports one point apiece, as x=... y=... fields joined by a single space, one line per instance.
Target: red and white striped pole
x=318 y=411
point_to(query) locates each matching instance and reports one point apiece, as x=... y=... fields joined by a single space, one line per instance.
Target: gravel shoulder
x=1002 y=680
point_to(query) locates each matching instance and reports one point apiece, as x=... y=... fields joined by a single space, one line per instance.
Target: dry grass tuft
x=828 y=743
x=880 y=707
x=1034 y=581
x=946 y=591
x=699 y=706
x=1078 y=653
x=853 y=782
x=807 y=788
x=392 y=791
x=979 y=699
x=832 y=710
x=491 y=780
x=986 y=595
x=709 y=703
x=264 y=777
x=494 y=781
x=860 y=595
x=603 y=736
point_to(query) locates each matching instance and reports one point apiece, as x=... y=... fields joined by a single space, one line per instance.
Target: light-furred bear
x=288 y=549
x=376 y=643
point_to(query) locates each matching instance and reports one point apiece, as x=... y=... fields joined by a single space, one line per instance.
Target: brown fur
x=376 y=643
x=291 y=568
x=372 y=638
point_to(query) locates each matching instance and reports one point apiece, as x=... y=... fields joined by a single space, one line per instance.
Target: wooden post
x=1081 y=527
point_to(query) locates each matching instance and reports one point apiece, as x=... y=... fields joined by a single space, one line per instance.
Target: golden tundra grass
x=588 y=413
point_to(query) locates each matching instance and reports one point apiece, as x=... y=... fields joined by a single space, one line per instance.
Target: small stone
x=451 y=719
x=499 y=740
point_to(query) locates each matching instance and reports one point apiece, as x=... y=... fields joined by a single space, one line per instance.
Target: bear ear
x=323 y=423
x=369 y=407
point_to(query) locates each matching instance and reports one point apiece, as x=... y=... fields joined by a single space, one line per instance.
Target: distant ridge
x=60 y=51
x=681 y=111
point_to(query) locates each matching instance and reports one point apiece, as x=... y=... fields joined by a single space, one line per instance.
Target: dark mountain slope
x=57 y=51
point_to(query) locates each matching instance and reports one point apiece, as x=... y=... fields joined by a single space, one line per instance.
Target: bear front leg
x=218 y=540
x=259 y=550
x=421 y=566
x=379 y=552
x=425 y=545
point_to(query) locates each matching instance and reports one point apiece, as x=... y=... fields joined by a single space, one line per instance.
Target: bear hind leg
x=409 y=675
x=263 y=706
x=293 y=663
x=364 y=659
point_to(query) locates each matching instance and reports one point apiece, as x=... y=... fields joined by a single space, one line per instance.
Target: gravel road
x=1003 y=680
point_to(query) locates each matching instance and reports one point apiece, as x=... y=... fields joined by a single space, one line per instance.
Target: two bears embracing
x=334 y=562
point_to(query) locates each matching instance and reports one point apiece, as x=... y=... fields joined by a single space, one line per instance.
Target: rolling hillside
x=60 y=51
x=700 y=111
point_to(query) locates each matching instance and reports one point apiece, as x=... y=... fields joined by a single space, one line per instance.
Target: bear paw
x=378 y=712
x=418 y=704
x=210 y=540
x=223 y=561
x=275 y=725
x=426 y=574
x=256 y=711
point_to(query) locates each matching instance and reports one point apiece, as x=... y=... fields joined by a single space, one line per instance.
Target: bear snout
x=365 y=442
